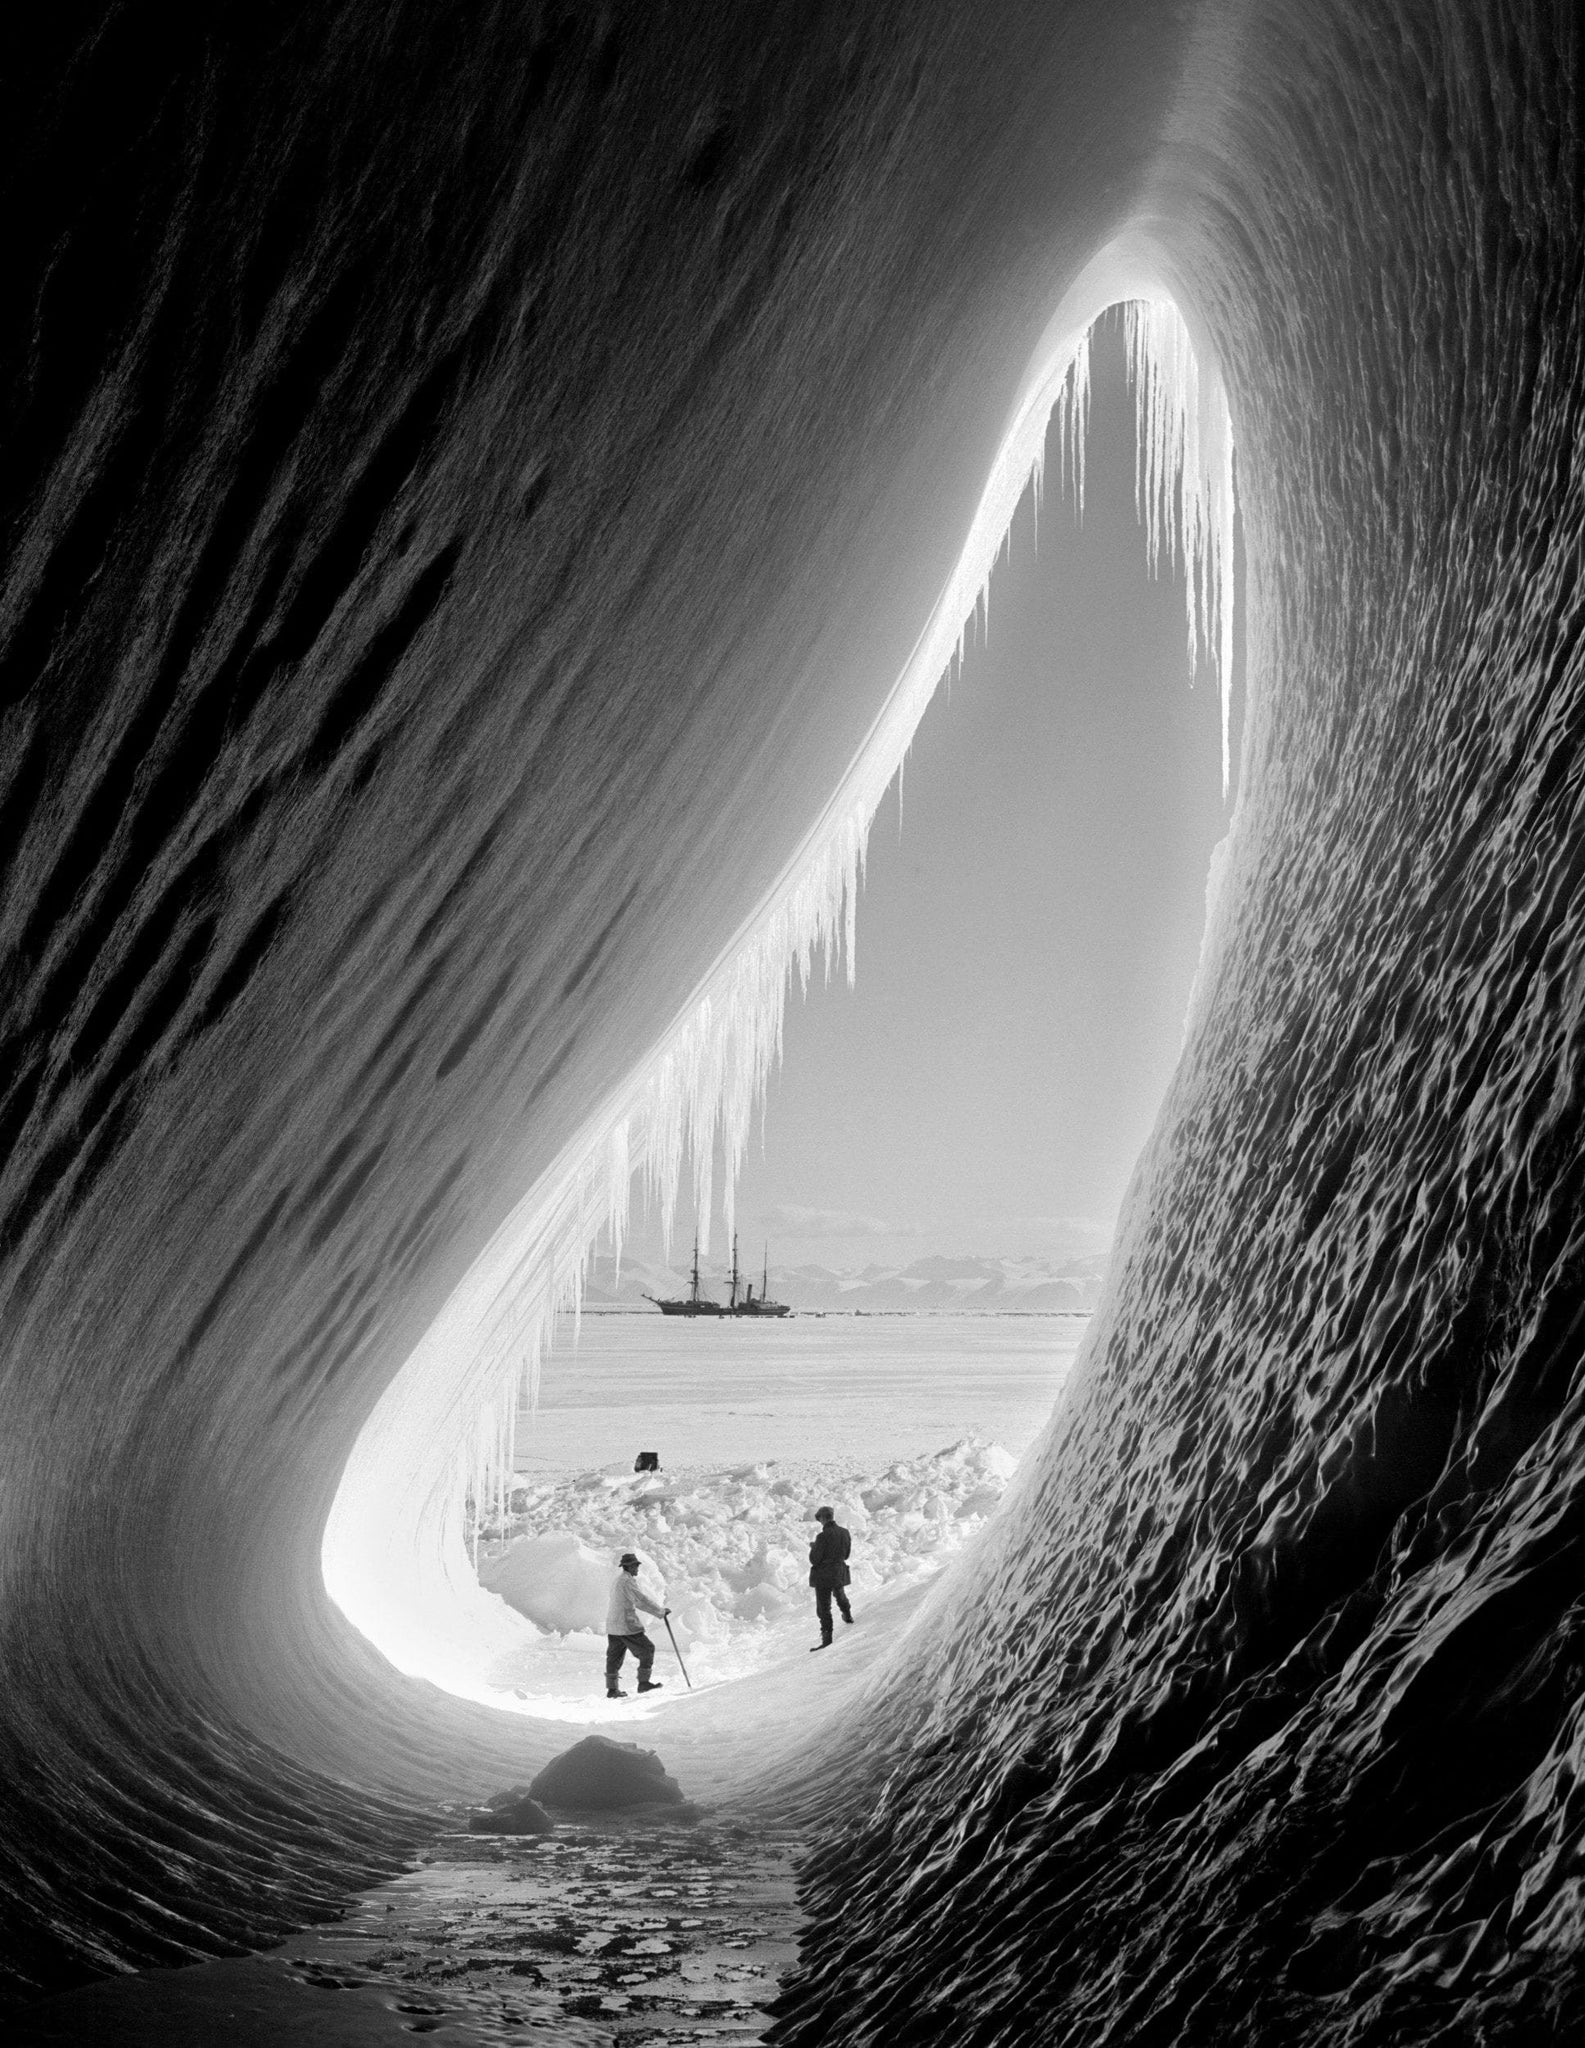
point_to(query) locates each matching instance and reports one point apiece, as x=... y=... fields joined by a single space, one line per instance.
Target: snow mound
x=556 y=1580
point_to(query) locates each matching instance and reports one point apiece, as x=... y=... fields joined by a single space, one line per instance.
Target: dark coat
x=828 y=1556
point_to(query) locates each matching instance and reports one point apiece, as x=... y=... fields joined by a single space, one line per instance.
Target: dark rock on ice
x=515 y=1812
x=598 y=1775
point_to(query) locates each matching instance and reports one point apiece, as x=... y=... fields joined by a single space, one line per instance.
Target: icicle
x=1071 y=421
x=1184 y=483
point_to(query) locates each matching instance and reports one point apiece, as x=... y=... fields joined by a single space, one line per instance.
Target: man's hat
x=825 y=1514
x=627 y=1557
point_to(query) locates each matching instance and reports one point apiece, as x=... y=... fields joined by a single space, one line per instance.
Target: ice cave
x=489 y=493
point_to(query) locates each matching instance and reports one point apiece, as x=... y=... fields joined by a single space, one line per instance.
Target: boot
x=615 y=1692
x=650 y=1685
x=823 y=1644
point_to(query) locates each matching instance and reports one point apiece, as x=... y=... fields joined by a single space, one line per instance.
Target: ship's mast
x=764 y=1285
x=694 y=1295
x=734 y=1274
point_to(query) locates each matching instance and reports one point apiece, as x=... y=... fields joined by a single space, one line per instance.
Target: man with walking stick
x=624 y=1631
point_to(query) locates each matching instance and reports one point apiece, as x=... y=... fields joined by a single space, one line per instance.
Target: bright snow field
x=728 y=1551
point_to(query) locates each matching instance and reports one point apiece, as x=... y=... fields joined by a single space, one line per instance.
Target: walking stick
x=687 y=1681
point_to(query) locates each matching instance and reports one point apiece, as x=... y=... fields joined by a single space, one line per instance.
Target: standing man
x=624 y=1631
x=828 y=1572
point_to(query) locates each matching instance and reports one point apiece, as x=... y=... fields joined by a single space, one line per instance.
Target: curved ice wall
x=471 y=483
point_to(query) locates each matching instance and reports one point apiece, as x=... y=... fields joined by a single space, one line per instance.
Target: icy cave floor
x=624 y=1933
x=615 y=1933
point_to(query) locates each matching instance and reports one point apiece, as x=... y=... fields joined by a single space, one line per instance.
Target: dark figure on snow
x=828 y=1572
x=624 y=1631
x=647 y=1461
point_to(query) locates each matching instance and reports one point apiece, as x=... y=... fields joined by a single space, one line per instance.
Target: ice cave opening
x=485 y=1583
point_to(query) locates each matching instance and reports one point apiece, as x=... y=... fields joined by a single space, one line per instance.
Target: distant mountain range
x=928 y=1286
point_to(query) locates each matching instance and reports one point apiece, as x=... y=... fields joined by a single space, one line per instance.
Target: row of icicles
x=700 y=1089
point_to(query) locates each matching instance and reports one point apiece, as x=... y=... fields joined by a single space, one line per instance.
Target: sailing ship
x=694 y=1303
x=754 y=1304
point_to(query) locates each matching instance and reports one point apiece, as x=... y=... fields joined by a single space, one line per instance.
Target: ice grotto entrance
x=944 y=1148
x=402 y=1560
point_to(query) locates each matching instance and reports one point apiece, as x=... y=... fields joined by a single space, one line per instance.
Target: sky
x=1029 y=925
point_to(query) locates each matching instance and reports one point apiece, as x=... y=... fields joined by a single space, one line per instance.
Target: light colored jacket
x=621 y=1613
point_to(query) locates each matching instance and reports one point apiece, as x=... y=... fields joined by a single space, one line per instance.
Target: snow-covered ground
x=728 y=1550
x=852 y=1393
